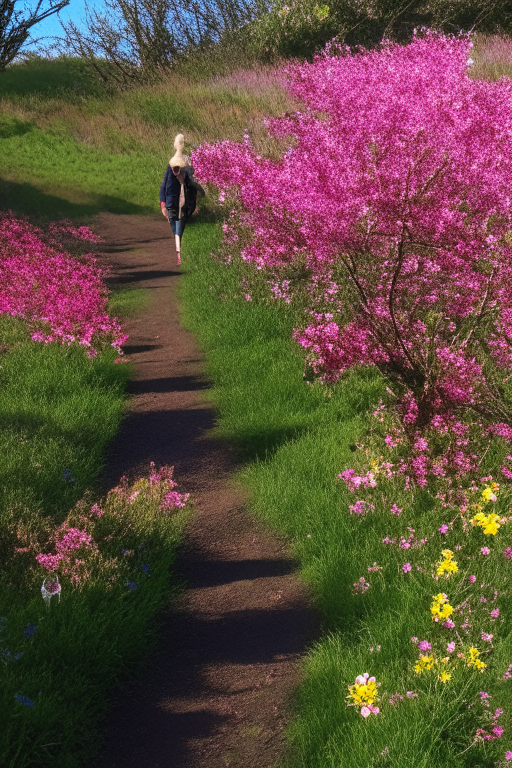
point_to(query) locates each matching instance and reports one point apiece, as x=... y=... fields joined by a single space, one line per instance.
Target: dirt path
x=217 y=693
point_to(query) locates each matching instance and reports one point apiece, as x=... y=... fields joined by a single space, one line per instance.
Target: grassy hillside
x=73 y=150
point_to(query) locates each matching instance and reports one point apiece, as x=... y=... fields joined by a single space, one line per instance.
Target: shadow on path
x=217 y=691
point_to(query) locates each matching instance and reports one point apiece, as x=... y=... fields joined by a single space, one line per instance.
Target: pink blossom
x=174 y=499
x=414 y=194
x=50 y=562
x=424 y=645
x=368 y=709
x=485 y=551
x=361 y=586
x=495 y=613
x=508 y=553
x=450 y=647
x=406 y=567
x=361 y=508
x=62 y=298
x=472 y=579
x=443 y=528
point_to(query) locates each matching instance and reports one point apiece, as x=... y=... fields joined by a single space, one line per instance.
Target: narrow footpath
x=217 y=692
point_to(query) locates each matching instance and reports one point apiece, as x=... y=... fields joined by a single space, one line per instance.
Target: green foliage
x=299 y=29
x=125 y=302
x=72 y=156
x=162 y=110
x=293 y=29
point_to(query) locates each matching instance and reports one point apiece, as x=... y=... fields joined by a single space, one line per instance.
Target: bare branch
x=15 y=26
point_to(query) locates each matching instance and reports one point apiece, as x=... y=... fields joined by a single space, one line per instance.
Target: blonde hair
x=179 y=158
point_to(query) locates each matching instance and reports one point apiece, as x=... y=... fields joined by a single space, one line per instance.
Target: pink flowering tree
x=394 y=199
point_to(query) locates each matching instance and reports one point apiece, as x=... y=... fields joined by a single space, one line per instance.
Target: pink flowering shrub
x=103 y=542
x=62 y=298
x=394 y=195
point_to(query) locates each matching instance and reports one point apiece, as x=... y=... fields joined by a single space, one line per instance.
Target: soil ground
x=217 y=692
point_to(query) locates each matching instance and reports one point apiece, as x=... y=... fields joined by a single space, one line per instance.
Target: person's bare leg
x=177 y=239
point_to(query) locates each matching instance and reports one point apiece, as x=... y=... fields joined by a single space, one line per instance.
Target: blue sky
x=50 y=28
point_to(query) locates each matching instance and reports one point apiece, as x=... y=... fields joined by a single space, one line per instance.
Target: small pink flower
x=485 y=551
x=508 y=755
x=450 y=647
x=366 y=711
x=508 y=553
x=443 y=528
x=425 y=645
x=487 y=638
x=472 y=579
x=407 y=567
x=396 y=511
x=448 y=624
x=495 y=613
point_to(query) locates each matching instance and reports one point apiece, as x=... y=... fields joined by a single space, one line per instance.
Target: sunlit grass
x=126 y=302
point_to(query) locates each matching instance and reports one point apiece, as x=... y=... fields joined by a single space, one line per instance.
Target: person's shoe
x=178 y=258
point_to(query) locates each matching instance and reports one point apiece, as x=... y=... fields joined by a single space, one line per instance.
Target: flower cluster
x=440 y=608
x=63 y=298
x=363 y=694
x=81 y=547
x=447 y=566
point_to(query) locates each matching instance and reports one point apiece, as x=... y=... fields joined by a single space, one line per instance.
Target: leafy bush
x=294 y=29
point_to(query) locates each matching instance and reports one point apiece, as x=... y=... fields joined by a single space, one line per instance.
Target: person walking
x=178 y=192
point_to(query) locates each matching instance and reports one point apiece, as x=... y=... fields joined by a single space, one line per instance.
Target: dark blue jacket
x=170 y=194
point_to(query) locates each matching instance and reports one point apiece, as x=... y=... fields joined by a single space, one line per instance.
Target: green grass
x=293 y=439
x=58 y=412
x=127 y=302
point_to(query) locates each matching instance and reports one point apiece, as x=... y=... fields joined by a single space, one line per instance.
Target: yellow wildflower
x=473 y=660
x=444 y=677
x=490 y=523
x=424 y=663
x=489 y=492
x=447 y=566
x=321 y=12
x=440 y=608
x=363 y=692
